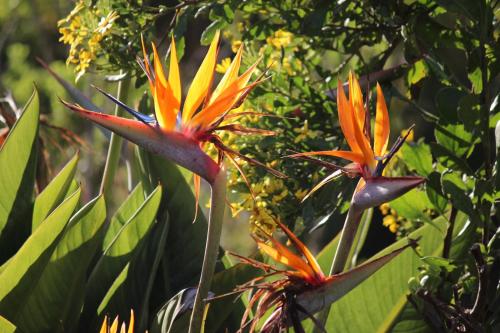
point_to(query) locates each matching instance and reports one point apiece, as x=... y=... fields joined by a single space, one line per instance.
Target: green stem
x=346 y=239
x=359 y=241
x=216 y=217
x=115 y=144
x=342 y=254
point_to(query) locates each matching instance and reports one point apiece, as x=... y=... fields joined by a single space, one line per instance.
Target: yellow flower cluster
x=281 y=38
x=84 y=35
x=391 y=219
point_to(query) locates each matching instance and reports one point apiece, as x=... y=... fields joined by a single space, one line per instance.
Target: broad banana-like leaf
x=133 y=287
x=123 y=214
x=118 y=254
x=18 y=157
x=54 y=193
x=6 y=326
x=55 y=302
x=23 y=271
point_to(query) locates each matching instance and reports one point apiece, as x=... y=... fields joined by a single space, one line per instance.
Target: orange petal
x=356 y=99
x=166 y=106
x=174 y=78
x=363 y=142
x=159 y=73
x=303 y=249
x=382 y=125
x=104 y=327
x=345 y=119
x=230 y=75
x=201 y=82
x=114 y=326
x=131 y=322
x=348 y=155
x=281 y=254
x=224 y=103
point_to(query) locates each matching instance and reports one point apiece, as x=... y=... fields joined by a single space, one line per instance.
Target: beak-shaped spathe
x=338 y=285
x=379 y=190
x=178 y=148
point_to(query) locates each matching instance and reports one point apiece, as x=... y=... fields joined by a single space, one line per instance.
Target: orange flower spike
x=174 y=76
x=131 y=322
x=345 y=119
x=382 y=126
x=200 y=85
x=356 y=100
x=281 y=254
x=304 y=250
x=166 y=105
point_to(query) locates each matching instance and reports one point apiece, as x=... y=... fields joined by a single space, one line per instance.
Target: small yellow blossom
x=280 y=39
x=223 y=66
x=384 y=208
x=235 y=45
x=391 y=222
x=300 y=194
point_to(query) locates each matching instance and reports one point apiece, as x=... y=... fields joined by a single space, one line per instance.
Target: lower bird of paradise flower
x=299 y=290
x=113 y=327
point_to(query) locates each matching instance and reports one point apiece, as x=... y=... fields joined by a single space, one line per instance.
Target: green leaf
x=174 y=315
x=388 y=288
x=209 y=33
x=412 y=205
x=119 y=252
x=455 y=139
x=18 y=157
x=6 y=326
x=123 y=214
x=186 y=240
x=20 y=276
x=418 y=157
x=54 y=193
x=59 y=288
x=439 y=262
x=469 y=111
x=133 y=286
x=447 y=101
x=457 y=191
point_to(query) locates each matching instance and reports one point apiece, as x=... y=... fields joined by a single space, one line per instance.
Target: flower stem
x=349 y=231
x=216 y=217
x=115 y=144
x=346 y=239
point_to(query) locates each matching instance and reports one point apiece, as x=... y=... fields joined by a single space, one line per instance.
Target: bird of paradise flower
x=194 y=121
x=367 y=161
x=301 y=289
